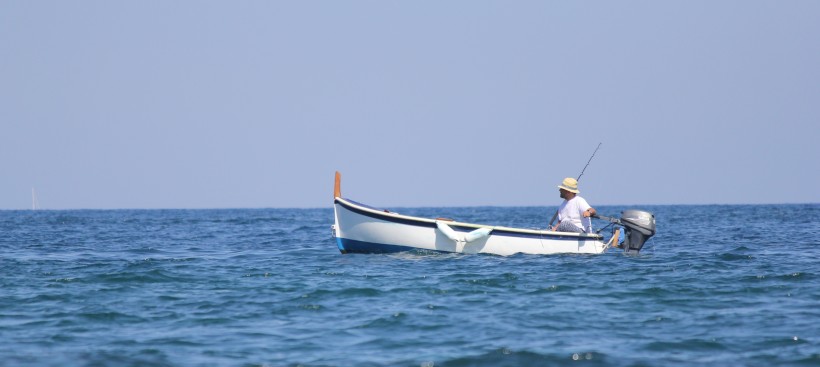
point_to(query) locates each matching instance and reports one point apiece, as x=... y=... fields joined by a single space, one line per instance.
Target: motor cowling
x=639 y=226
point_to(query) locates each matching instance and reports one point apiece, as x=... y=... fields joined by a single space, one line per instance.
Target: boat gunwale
x=432 y=222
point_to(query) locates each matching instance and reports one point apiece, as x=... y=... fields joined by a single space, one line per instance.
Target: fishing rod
x=590 y=160
x=579 y=178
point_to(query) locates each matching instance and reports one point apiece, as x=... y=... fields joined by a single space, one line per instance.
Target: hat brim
x=575 y=191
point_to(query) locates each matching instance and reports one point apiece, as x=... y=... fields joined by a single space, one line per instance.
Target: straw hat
x=570 y=184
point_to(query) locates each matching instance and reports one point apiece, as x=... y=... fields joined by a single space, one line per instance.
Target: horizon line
x=398 y=206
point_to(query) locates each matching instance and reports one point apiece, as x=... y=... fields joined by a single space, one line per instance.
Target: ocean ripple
x=268 y=287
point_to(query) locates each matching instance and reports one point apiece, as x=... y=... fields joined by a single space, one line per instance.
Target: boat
x=360 y=228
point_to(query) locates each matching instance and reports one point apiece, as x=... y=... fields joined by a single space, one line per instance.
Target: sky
x=255 y=104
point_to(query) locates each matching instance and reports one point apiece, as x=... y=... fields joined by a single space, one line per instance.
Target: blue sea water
x=718 y=285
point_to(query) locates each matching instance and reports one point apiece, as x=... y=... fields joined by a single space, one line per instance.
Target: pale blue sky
x=214 y=104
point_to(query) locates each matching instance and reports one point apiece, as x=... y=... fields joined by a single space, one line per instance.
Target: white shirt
x=573 y=211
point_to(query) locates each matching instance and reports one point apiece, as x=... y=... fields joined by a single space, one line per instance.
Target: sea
x=718 y=285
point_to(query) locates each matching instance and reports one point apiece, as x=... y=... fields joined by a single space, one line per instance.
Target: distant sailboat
x=35 y=204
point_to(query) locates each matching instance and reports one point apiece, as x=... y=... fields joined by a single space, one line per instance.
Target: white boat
x=359 y=228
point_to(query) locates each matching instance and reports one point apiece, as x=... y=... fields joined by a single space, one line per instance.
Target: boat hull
x=362 y=229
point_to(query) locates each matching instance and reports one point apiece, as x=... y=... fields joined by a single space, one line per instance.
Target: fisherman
x=574 y=213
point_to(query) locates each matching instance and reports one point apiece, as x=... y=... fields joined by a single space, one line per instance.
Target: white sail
x=35 y=204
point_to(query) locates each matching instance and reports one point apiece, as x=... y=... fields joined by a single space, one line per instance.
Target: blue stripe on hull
x=361 y=247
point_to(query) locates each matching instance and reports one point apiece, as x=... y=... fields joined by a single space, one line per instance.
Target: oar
x=614 y=240
x=553 y=219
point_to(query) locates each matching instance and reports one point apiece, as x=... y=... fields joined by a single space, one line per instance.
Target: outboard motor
x=639 y=226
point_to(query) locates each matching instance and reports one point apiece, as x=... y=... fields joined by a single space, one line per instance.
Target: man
x=574 y=213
